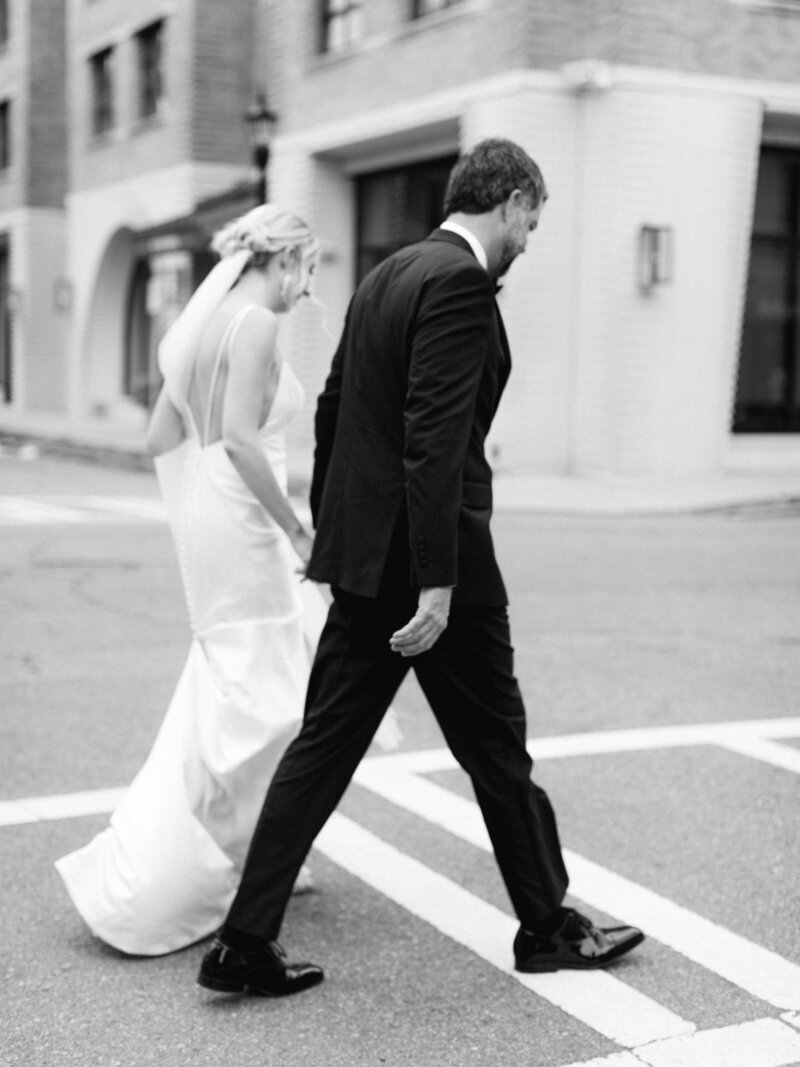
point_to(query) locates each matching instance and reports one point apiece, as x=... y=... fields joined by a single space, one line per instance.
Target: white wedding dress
x=163 y=874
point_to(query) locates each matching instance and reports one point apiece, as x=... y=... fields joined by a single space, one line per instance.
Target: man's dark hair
x=488 y=174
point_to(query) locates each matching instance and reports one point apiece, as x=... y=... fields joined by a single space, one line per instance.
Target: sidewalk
x=92 y=442
x=572 y=494
x=606 y=495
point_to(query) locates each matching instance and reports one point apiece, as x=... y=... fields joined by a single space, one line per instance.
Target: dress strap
x=228 y=337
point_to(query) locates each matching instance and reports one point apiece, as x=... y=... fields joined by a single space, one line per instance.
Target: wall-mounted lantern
x=259 y=122
x=656 y=256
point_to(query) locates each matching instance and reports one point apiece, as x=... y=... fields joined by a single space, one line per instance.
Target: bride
x=163 y=874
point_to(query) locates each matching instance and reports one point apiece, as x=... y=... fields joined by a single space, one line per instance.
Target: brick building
x=655 y=318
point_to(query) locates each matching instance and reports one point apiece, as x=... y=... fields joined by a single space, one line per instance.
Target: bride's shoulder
x=256 y=323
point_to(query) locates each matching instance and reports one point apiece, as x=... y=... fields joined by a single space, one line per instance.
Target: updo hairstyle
x=265 y=231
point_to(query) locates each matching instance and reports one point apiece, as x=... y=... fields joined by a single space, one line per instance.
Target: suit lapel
x=503 y=361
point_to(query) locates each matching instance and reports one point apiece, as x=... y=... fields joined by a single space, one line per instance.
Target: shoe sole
x=548 y=967
x=220 y=985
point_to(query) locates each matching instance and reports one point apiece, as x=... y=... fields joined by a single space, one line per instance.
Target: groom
x=401 y=498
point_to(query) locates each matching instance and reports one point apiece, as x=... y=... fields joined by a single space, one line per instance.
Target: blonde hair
x=264 y=231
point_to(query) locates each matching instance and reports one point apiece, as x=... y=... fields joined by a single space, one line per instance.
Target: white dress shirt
x=471 y=239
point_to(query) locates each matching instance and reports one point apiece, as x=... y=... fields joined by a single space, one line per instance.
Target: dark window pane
x=151 y=69
x=768 y=385
x=398 y=207
x=140 y=376
x=6 y=363
x=767 y=319
x=773 y=211
x=427 y=7
x=101 y=66
x=5 y=135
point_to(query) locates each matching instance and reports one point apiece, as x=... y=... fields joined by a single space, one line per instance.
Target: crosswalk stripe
x=757 y=1043
x=744 y=736
x=94 y=510
x=76 y=510
x=783 y=756
x=36 y=512
x=600 y=1001
x=757 y=970
x=59 y=806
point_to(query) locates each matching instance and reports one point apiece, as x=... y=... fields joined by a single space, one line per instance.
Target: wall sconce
x=259 y=120
x=62 y=296
x=656 y=256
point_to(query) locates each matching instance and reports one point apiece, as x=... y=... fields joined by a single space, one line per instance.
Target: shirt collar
x=471 y=239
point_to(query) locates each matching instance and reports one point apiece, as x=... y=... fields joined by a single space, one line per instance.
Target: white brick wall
x=606 y=378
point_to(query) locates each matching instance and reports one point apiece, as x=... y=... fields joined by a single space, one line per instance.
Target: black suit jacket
x=401 y=424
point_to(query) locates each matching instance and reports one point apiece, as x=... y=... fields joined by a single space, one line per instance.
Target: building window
x=397 y=207
x=150 y=46
x=140 y=373
x=5 y=135
x=768 y=385
x=342 y=24
x=4 y=31
x=101 y=65
x=421 y=8
x=6 y=362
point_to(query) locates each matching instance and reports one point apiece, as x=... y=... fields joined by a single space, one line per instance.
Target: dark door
x=398 y=207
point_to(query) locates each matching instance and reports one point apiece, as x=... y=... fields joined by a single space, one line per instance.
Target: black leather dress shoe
x=577 y=945
x=262 y=970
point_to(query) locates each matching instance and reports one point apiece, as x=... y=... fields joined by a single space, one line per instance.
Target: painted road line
x=74 y=510
x=616 y=1059
x=144 y=508
x=21 y=511
x=64 y=806
x=757 y=970
x=597 y=999
x=94 y=510
x=736 y=735
x=788 y=759
x=759 y=1043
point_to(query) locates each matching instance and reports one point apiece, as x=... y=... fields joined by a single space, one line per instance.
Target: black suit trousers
x=468 y=679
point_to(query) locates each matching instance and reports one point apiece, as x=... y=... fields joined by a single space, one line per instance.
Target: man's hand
x=429 y=622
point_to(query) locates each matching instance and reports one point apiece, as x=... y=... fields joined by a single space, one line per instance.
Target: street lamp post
x=259 y=122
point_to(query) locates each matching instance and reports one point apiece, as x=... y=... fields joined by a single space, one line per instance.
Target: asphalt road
x=660 y=660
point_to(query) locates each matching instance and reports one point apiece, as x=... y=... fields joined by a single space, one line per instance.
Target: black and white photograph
x=400 y=533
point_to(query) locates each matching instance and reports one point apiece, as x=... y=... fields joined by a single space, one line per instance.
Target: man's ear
x=514 y=200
